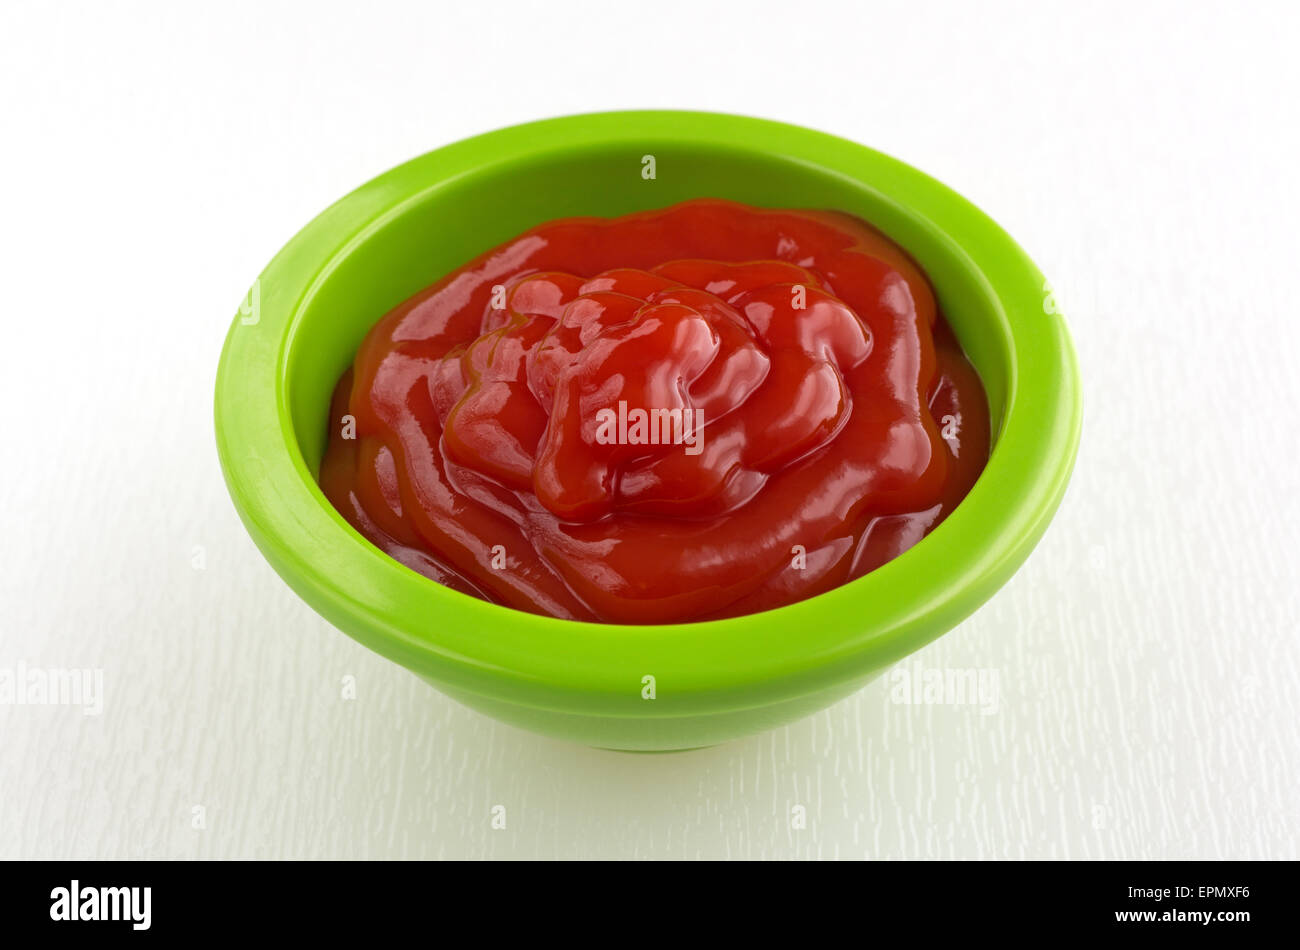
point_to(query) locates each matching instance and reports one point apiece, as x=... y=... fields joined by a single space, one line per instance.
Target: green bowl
x=300 y=326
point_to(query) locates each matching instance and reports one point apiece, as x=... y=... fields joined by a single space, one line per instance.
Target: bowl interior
x=444 y=226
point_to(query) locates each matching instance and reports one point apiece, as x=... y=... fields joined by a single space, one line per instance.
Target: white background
x=155 y=158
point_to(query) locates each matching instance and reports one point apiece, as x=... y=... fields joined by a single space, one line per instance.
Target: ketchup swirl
x=683 y=414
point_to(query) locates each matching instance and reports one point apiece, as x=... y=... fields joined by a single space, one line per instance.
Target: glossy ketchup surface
x=683 y=414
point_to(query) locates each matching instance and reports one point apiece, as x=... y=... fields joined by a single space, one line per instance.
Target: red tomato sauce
x=684 y=414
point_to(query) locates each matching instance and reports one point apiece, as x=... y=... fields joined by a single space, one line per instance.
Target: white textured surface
x=1147 y=655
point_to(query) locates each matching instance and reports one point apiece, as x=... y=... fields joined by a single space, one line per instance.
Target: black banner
x=1220 y=900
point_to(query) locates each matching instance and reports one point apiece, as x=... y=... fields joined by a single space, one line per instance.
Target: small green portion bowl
x=634 y=687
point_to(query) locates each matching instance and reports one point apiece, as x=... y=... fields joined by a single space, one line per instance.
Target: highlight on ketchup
x=683 y=414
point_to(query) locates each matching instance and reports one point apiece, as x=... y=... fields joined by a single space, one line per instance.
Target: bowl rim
x=720 y=665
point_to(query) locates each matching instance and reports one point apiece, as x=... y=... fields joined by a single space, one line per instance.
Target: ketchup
x=683 y=414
